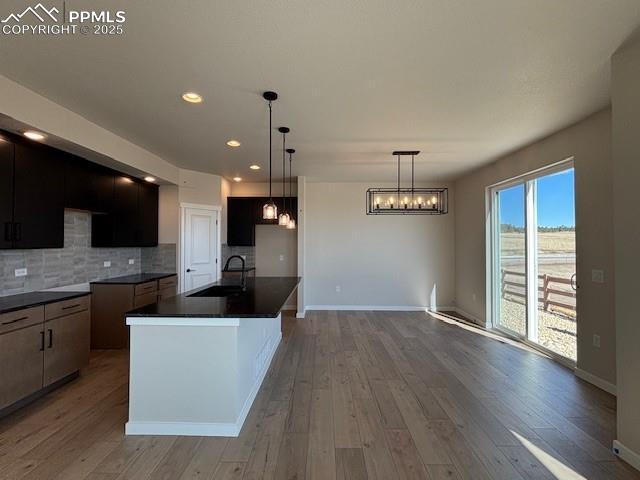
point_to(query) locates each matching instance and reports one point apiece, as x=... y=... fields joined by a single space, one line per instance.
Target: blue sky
x=556 y=202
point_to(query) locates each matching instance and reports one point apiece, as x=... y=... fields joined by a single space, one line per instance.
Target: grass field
x=548 y=243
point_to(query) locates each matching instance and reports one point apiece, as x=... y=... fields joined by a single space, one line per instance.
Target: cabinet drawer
x=167 y=292
x=145 y=299
x=168 y=282
x=21 y=319
x=145 y=288
x=67 y=307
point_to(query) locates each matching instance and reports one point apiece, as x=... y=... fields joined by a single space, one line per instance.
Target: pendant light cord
x=290 y=183
x=412 y=176
x=398 y=179
x=284 y=174
x=270 y=146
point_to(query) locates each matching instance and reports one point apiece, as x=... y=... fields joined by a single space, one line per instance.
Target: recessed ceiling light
x=192 y=97
x=33 y=135
x=150 y=179
x=233 y=143
x=255 y=167
x=237 y=179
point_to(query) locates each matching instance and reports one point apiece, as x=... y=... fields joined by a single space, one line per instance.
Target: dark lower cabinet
x=38 y=195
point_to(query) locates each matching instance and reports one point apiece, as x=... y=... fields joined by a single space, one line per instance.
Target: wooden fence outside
x=544 y=291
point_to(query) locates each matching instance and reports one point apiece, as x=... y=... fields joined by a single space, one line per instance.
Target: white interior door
x=200 y=247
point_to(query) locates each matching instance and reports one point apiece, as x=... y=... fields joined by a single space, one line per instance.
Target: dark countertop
x=134 y=279
x=34 y=299
x=238 y=269
x=264 y=297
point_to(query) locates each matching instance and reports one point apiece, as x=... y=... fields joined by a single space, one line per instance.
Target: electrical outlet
x=475 y=297
x=282 y=258
x=107 y=264
x=338 y=288
x=596 y=340
x=21 y=272
x=131 y=261
x=597 y=276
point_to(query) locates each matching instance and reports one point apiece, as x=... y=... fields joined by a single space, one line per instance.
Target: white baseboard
x=182 y=428
x=595 y=380
x=300 y=314
x=197 y=429
x=381 y=308
x=626 y=454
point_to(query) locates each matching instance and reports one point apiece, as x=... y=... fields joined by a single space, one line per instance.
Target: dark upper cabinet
x=6 y=193
x=147 y=215
x=78 y=184
x=125 y=212
x=244 y=213
x=38 y=208
x=241 y=221
x=38 y=182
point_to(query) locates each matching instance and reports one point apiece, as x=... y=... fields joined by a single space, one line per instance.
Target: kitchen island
x=197 y=360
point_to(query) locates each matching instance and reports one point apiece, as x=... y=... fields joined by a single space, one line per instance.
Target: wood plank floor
x=350 y=395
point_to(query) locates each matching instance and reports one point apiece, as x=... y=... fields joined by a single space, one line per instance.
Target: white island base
x=196 y=376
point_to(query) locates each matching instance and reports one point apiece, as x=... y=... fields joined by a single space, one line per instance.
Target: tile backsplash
x=248 y=252
x=77 y=262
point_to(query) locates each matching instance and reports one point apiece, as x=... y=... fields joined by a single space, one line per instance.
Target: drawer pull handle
x=50 y=338
x=15 y=321
x=71 y=306
x=42 y=341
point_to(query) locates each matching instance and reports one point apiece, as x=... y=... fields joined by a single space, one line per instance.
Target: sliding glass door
x=533 y=264
x=511 y=250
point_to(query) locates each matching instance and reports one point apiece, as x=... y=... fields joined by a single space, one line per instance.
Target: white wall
x=200 y=188
x=384 y=260
x=276 y=251
x=625 y=96
x=589 y=142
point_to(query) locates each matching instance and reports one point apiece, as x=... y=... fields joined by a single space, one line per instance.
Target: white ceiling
x=462 y=81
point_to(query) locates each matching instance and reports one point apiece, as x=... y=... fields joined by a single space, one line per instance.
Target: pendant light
x=283 y=219
x=292 y=223
x=270 y=210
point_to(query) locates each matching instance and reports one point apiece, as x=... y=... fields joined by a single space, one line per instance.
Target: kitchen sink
x=218 y=291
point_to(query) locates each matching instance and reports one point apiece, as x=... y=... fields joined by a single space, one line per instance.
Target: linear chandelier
x=407 y=200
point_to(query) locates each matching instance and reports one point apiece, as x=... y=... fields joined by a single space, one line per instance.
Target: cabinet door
x=20 y=364
x=38 y=210
x=125 y=212
x=78 y=188
x=241 y=220
x=6 y=193
x=67 y=341
x=147 y=215
x=102 y=182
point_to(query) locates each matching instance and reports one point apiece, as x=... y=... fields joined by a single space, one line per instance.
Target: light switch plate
x=131 y=261
x=597 y=276
x=107 y=263
x=21 y=272
x=596 y=340
x=282 y=258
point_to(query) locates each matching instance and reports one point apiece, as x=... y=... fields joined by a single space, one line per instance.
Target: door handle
x=50 y=338
x=190 y=270
x=8 y=231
